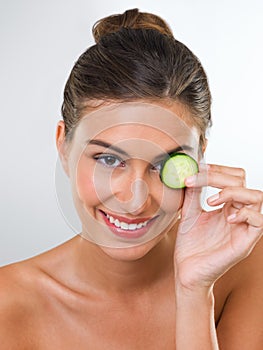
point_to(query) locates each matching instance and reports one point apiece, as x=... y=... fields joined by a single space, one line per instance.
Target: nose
x=133 y=194
x=139 y=197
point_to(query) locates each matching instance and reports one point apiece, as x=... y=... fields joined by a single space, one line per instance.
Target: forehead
x=134 y=131
x=140 y=125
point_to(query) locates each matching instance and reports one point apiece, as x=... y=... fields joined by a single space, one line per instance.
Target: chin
x=132 y=253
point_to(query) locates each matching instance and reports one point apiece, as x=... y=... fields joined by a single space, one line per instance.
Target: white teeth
x=125 y=225
x=117 y=223
x=132 y=226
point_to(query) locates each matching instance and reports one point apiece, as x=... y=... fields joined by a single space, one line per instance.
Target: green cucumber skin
x=163 y=176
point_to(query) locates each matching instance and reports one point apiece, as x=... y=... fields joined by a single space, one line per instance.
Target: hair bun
x=129 y=19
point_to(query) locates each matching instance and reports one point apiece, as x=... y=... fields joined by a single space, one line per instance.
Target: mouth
x=129 y=228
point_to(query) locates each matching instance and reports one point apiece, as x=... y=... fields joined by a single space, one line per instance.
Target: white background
x=41 y=40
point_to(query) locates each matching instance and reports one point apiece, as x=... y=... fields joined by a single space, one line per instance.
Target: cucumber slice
x=176 y=168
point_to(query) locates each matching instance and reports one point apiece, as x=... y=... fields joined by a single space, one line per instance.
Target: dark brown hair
x=136 y=57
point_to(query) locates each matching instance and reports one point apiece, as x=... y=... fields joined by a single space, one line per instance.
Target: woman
x=150 y=269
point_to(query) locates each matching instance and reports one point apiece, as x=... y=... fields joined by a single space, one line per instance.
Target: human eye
x=109 y=160
x=157 y=167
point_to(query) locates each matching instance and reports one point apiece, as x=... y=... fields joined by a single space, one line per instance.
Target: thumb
x=191 y=209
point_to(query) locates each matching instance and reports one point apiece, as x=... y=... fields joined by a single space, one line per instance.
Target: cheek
x=93 y=186
x=85 y=187
x=172 y=200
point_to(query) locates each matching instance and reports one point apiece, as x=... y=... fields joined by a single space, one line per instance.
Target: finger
x=249 y=222
x=249 y=216
x=192 y=203
x=214 y=179
x=191 y=209
x=240 y=196
x=240 y=172
x=210 y=175
x=237 y=205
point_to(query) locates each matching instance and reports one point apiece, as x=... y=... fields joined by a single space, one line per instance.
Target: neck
x=117 y=270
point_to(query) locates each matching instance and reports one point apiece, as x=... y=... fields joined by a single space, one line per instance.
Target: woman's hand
x=209 y=243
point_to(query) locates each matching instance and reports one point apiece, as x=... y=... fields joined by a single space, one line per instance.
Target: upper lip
x=127 y=220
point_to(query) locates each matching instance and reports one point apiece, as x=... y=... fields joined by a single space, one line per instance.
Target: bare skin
x=47 y=304
x=172 y=292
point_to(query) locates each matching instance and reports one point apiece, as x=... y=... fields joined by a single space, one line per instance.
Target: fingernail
x=190 y=181
x=231 y=217
x=213 y=198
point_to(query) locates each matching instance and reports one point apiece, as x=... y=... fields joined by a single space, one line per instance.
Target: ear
x=62 y=145
x=204 y=145
x=202 y=148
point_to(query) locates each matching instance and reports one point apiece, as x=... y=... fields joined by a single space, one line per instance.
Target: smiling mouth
x=127 y=224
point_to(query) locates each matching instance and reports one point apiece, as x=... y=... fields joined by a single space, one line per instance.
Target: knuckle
x=244 y=211
x=258 y=196
x=230 y=192
x=242 y=173
x=226 y=193
x=241 y=182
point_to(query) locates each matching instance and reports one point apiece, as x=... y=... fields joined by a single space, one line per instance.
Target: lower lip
x=127 y=233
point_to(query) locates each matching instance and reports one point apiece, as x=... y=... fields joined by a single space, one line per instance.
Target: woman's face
x=114 y=165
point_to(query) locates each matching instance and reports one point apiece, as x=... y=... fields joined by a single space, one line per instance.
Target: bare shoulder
x=17 y=304
x=26 y=294
x=241 y=320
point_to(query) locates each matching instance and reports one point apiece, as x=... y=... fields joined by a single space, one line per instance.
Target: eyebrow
x=107 y=145
x=174 y=150
x=121 y=151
